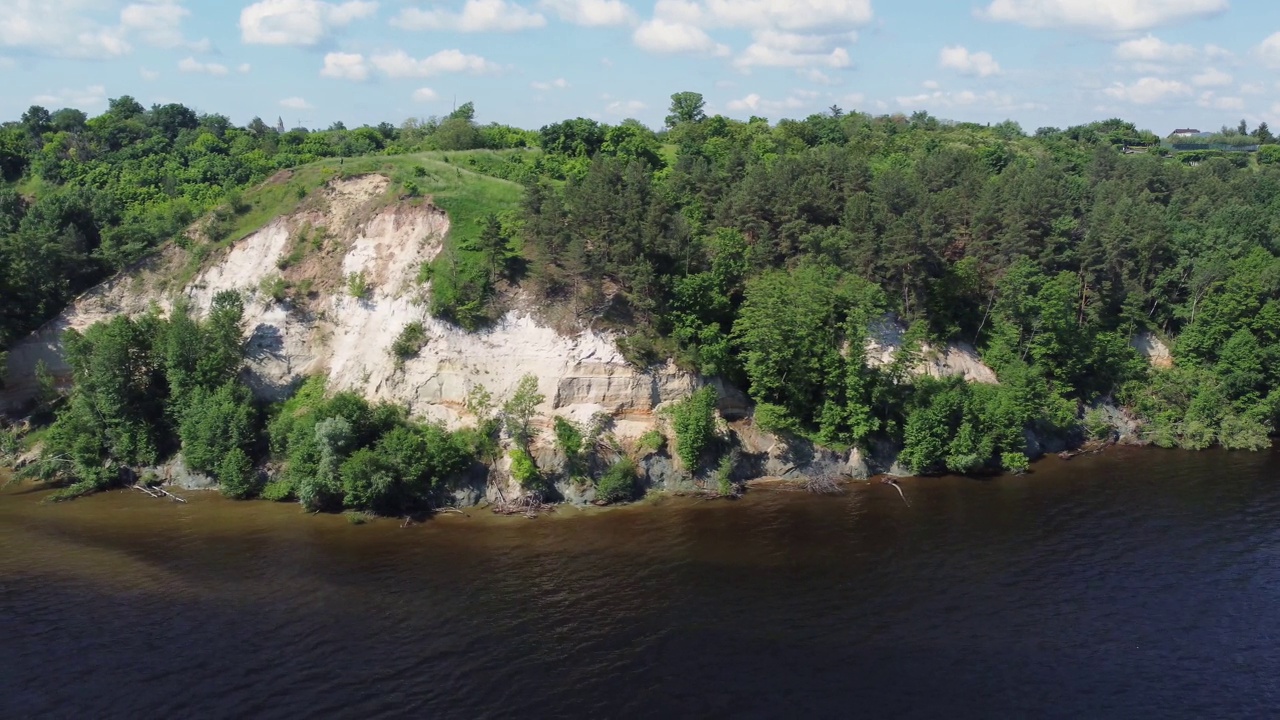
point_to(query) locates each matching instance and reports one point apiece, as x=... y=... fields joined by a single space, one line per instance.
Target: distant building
x=1184 y=132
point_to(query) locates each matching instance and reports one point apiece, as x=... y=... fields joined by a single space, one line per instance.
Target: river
x=1135 y=584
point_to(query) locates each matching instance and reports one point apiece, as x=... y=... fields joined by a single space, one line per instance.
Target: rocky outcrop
x=885 y=339
x=1153 y=349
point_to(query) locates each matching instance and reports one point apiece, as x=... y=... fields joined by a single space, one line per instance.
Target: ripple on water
x=1137 y=583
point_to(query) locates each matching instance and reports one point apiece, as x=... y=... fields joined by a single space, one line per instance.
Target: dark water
x=1139 y=584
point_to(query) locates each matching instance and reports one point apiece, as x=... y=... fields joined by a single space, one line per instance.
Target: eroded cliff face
x=354 y=227
x=349 y=339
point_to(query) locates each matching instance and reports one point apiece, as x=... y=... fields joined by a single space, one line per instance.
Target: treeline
x=762 y=251
x=81 y=197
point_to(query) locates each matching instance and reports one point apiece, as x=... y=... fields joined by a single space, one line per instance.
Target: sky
x=1163 y=64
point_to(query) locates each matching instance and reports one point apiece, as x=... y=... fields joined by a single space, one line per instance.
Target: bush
x=693 y=420
x=774 y=419
x=411 y=340
x=652 y=442
x=569 y=440
x=358 y=285
x=1015 y=462
x=237 y=477
x=618 y=484
x=724 y=474
x=278 y=491
x=1097 y=424
x=524 y=470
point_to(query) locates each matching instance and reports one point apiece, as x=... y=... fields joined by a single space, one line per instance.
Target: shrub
x=274 y=287
x=1015 y=462
x=410 y=342
x=358 y=285
x=569 y=440
x=693 y=420
x=518 y=412
x=618 y=484
x=724 y=474
x=524 y=470
x=278 y=491
x=652 y=441
x=1097 y=424
x=774 y=419
x=237 y=478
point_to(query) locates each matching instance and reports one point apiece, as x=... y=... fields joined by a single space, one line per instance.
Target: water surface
x=1140 y=583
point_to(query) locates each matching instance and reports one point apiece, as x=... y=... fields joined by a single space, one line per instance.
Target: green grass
x=466 y=195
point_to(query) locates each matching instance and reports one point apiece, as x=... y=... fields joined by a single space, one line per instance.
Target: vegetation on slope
x=755 y=251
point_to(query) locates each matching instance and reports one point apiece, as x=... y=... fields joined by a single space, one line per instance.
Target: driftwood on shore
x=157 y=492
x=1090 y=448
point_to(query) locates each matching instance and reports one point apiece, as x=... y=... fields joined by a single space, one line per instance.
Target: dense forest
x=759 y=252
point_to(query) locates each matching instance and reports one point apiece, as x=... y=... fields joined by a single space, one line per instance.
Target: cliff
x=301 y=318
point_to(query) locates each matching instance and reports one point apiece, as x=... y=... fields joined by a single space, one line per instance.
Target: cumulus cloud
x=148 y=75
x=296 y=103
x=1214 y=101
x=1104 y=17
x=1269 y=51
x=89 y=97
x=244 y=68
x=476 y=16
x=191 y=65
x=400 y=64
x=1152 y=49
x=159 y=23
x=591 y=13
x=345 y=66
x=990 y=100
x=959 y=58
x=61 y=28
x=772 y=48
x=299 y=22
x=425 y=94
x=624 y=107
x=1212 y=77
x=1147 y=91
x=754 y=102
x=664 y=36
x=785 y=33
x=557 y=84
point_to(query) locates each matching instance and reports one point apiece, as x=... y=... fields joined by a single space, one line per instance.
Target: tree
x=686 y=107
x=1263 y=134
x=518 y=412
x=693 y=420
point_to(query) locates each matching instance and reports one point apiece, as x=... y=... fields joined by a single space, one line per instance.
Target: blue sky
x=1160 y=63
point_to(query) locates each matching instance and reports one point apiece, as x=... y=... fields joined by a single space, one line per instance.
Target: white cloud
x=476 y=16
x=1212 y=77
x=824 y=16
x=1147 y=91
x=1104 y=17
x=148 y=75
x=591 y=13
x=557 y=84
x=817 y=77
x=400 y=64
x=1253 y=88
x=931 y=85
x=754 y=102
x=663 y=36
x=244 y=68
x=624 y=107
x=159 y=23
x=345 y=66
x=191 y=65
x=296 y=103
x=61 y=28
x=425 y=94
x=959 y=58
x=772 y=48
x=299 y=22
x=989 y=100
x=1152 y=49
x=1269 y=51
x=1214 y=101
x=90 y=97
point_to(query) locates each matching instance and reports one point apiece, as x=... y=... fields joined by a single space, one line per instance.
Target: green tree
x=686 y=107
